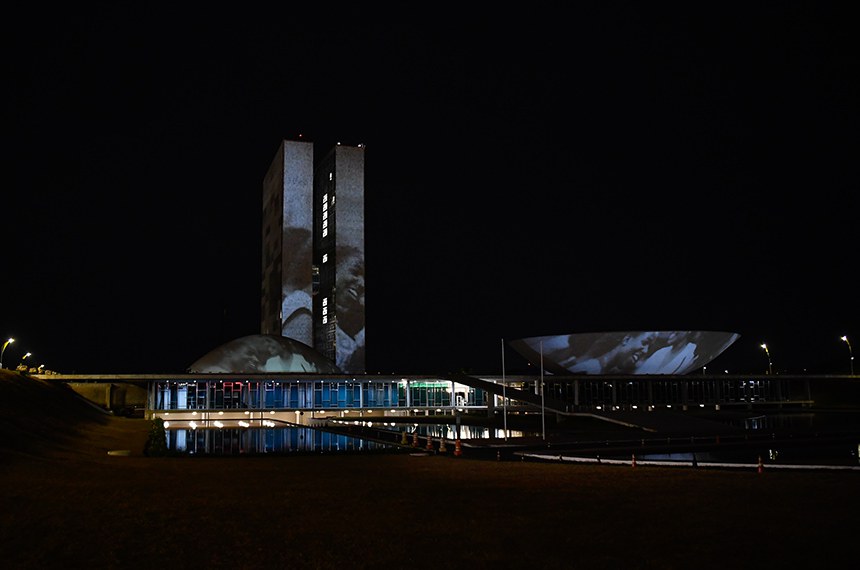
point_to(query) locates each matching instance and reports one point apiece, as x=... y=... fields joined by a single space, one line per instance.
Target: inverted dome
x=264 y=353
x=625 y=352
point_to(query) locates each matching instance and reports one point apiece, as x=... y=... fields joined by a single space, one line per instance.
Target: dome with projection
x=625 y=352
x=264 y=353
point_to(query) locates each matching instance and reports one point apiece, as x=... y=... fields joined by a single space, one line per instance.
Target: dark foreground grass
x=67 y=503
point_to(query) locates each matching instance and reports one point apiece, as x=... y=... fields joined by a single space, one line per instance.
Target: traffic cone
x=415 y=439
x=429 y=443
x=403 y=439
x=442 y=448
x=458 y=449
x=760 y=466
x=633 y=463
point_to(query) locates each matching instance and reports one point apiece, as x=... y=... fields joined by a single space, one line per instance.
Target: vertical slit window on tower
x=325 y=215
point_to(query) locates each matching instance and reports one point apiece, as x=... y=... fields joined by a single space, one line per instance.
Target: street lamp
x=23 y=358
x=5 y=344
x=504 y=393
x=542 y=407
x=769 y=363
x=850 y=354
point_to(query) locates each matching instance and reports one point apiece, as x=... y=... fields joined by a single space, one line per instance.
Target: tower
x=313 y=251
x=339 y=310
x=286 y=307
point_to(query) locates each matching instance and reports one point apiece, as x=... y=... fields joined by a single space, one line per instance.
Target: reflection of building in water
x=313 y=251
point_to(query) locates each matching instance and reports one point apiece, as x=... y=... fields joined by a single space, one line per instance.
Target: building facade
x=313 y=251
x=339 y=308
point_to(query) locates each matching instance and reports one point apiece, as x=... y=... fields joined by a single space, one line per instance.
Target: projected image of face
x=618 y=357
x=673 y=352
x=349 y=302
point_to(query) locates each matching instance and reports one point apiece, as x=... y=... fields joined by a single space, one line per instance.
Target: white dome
x=264 y=353
x=625 y=352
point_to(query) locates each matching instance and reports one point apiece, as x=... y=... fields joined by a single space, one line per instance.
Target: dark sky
x=606 y=167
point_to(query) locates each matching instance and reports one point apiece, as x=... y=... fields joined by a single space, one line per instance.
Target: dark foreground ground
x=66 y=503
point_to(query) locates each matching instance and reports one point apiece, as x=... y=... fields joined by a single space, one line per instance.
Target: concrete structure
x=625 y=352
x=287 y=243
x=313 y=251
x=339 y=308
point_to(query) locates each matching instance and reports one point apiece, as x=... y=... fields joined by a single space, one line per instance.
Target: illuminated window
x=325 y=258
x=325 y=214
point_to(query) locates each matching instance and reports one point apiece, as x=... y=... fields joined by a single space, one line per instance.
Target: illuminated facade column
x=338 y=303
x=287 y=286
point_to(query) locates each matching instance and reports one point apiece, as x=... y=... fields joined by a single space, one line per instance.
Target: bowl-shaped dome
x=625 y=352
x=264 y=353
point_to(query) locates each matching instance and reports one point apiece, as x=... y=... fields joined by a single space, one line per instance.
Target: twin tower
x=313 y=251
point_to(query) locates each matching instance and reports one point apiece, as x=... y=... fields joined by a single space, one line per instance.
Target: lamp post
x=850 y=354
x=504 y=394
x=5 y=344
x=769 y=363
x=23 y=358
x=542 y=408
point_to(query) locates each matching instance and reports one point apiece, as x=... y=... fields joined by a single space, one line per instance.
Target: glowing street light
x=23 y=358
x=769 y=363
x=850 y=354
x=5 y=344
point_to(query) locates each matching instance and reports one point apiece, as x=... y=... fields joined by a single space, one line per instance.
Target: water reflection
x=242 y=441
x=298 y=439
x=832 y=454
x=447 y=431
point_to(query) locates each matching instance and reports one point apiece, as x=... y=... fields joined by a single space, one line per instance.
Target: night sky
x=607 y=167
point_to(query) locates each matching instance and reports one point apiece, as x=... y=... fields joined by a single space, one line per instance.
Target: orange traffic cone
x=403 y=439
x=429 y=443
x=415 y=439
x=633 y=463
x=760 y=466
x=458 y=450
